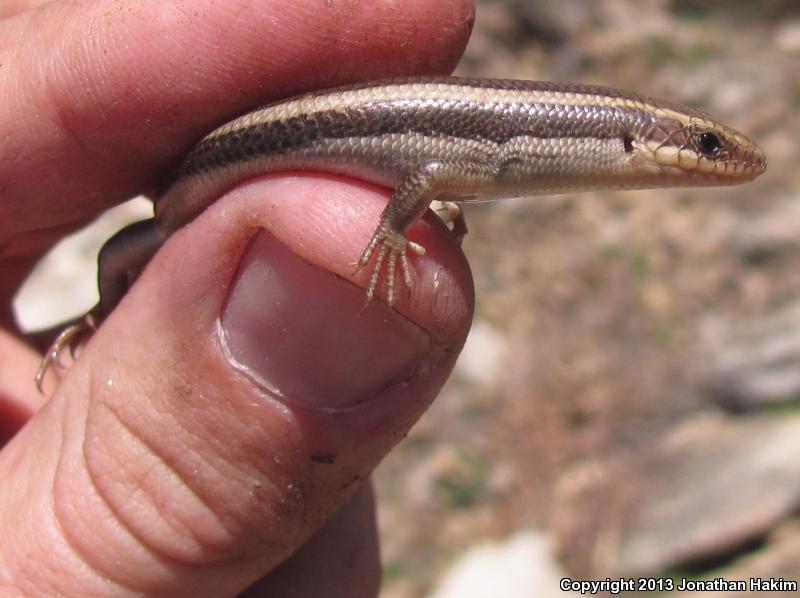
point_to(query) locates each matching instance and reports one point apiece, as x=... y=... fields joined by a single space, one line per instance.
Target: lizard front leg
x=410 y=200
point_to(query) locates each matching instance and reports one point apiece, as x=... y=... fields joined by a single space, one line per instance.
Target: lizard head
x=692 y=147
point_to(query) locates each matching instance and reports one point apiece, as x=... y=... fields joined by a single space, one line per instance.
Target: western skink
x=443 y=138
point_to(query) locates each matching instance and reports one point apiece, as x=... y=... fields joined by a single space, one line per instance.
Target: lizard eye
x=708 y=143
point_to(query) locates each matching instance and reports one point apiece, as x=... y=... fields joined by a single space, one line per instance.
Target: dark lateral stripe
x=468 y=121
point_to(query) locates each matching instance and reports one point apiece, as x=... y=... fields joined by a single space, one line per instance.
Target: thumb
x=234 y=400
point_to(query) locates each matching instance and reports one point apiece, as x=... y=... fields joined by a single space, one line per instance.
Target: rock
x=713 y=485
x=523 y=565
x=484 y=355
x=759 y=365
x=64 y=284
x=788 y=36
x=774 y=233
x=778 y=559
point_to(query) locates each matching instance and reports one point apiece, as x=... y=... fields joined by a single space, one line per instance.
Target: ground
x=596 y=400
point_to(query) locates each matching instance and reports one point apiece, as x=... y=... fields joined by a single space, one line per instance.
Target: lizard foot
x=70 y=338
x=388 y=246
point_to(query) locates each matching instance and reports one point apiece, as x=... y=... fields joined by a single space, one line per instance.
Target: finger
x=18 y=397
x=114 y=94
x=236 y=397
x=9 y=8
x=341 y=560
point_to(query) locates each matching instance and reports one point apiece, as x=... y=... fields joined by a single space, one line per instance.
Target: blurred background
x=628 y=403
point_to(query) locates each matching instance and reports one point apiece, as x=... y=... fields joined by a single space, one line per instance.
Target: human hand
x=158 y=466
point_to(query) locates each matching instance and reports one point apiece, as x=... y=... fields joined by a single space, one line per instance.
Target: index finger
x=101 y=95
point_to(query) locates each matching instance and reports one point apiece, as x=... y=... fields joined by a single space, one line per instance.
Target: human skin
x=154 y=465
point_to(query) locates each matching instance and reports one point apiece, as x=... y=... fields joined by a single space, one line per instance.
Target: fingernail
x=303 y=333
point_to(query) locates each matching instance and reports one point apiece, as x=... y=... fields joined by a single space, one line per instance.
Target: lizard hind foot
x=71 y=338
x=388 y=247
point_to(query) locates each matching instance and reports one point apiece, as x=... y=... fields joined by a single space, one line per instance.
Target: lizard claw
x=70 y=337
x=388 y=247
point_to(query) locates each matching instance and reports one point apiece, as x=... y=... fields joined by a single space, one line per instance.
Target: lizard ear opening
x=627 y=143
